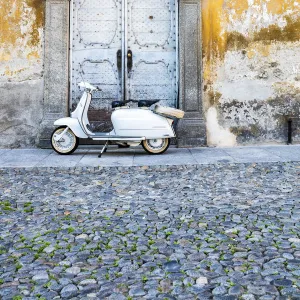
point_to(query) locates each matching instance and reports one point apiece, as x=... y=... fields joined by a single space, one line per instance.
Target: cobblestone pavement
x=222 y=231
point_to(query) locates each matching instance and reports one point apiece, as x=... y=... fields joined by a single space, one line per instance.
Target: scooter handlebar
x=89 y=87
x=97 y=89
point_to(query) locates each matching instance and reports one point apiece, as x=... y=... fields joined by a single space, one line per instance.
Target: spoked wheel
x=67 y=144
x=156 y=146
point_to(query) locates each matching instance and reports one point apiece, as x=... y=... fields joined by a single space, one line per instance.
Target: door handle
x=119 y=59
x=129 y=60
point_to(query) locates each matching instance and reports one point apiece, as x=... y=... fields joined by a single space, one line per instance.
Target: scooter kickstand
x=103 y=149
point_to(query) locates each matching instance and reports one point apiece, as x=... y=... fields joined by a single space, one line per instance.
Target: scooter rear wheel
x=156 y=146
x=68 y=144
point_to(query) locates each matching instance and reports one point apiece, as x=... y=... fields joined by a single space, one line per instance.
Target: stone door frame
x=190 y=130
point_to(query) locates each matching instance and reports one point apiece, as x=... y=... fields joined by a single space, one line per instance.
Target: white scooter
x=132 y=126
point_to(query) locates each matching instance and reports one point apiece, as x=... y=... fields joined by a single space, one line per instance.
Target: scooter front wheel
x=156 y=146
x=67 y=144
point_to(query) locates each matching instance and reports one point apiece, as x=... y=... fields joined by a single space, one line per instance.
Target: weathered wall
x=21 y=71
x=251 y=61
x=251 y=70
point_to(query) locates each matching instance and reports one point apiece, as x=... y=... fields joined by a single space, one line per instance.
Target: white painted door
x=126 y=47
x=151 y=46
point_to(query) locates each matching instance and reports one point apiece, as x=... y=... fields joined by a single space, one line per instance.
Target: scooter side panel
x=73 y=124
x=141 y=122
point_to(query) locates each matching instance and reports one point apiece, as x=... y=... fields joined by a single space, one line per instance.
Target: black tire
x=74 y=146
x=160 y=150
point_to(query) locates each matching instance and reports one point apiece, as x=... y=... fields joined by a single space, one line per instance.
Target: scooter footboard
x=73 y=124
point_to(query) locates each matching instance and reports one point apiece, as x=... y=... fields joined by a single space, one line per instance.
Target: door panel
x=101 y=28
x=96 y=39
x=152 y=39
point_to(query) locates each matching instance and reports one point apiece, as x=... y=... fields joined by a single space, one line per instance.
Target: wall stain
x=237 y=6
x=21 y=39
x=14 y=15
x=279 y=7
x=38 y=7
x=214 y=98
x=236 y=41
x=33 y=55
x=267 y=120
x=289 y=33
x=213 y=35
x=10 y=20
x=244 y=133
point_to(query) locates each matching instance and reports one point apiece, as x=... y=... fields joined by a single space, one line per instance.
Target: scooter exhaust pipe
x=122 y=145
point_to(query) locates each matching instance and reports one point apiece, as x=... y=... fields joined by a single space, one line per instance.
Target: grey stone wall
x=20 y=113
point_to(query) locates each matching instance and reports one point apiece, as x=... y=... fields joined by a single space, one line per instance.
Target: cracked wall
x=251 y=70
x=21 y=71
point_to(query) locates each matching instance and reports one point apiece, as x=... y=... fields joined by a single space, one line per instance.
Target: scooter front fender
x=73 y=124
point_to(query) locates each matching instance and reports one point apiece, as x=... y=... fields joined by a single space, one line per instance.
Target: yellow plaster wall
x=21 y=71
x=249 y=45
x=21 y=39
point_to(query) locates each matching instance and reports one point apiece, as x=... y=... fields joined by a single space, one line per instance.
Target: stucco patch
x=20 y=112
x=245 y=90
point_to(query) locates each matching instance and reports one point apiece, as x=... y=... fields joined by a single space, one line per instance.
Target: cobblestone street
x=216 y=231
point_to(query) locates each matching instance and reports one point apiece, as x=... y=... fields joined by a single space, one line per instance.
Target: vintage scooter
x=132 y=126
